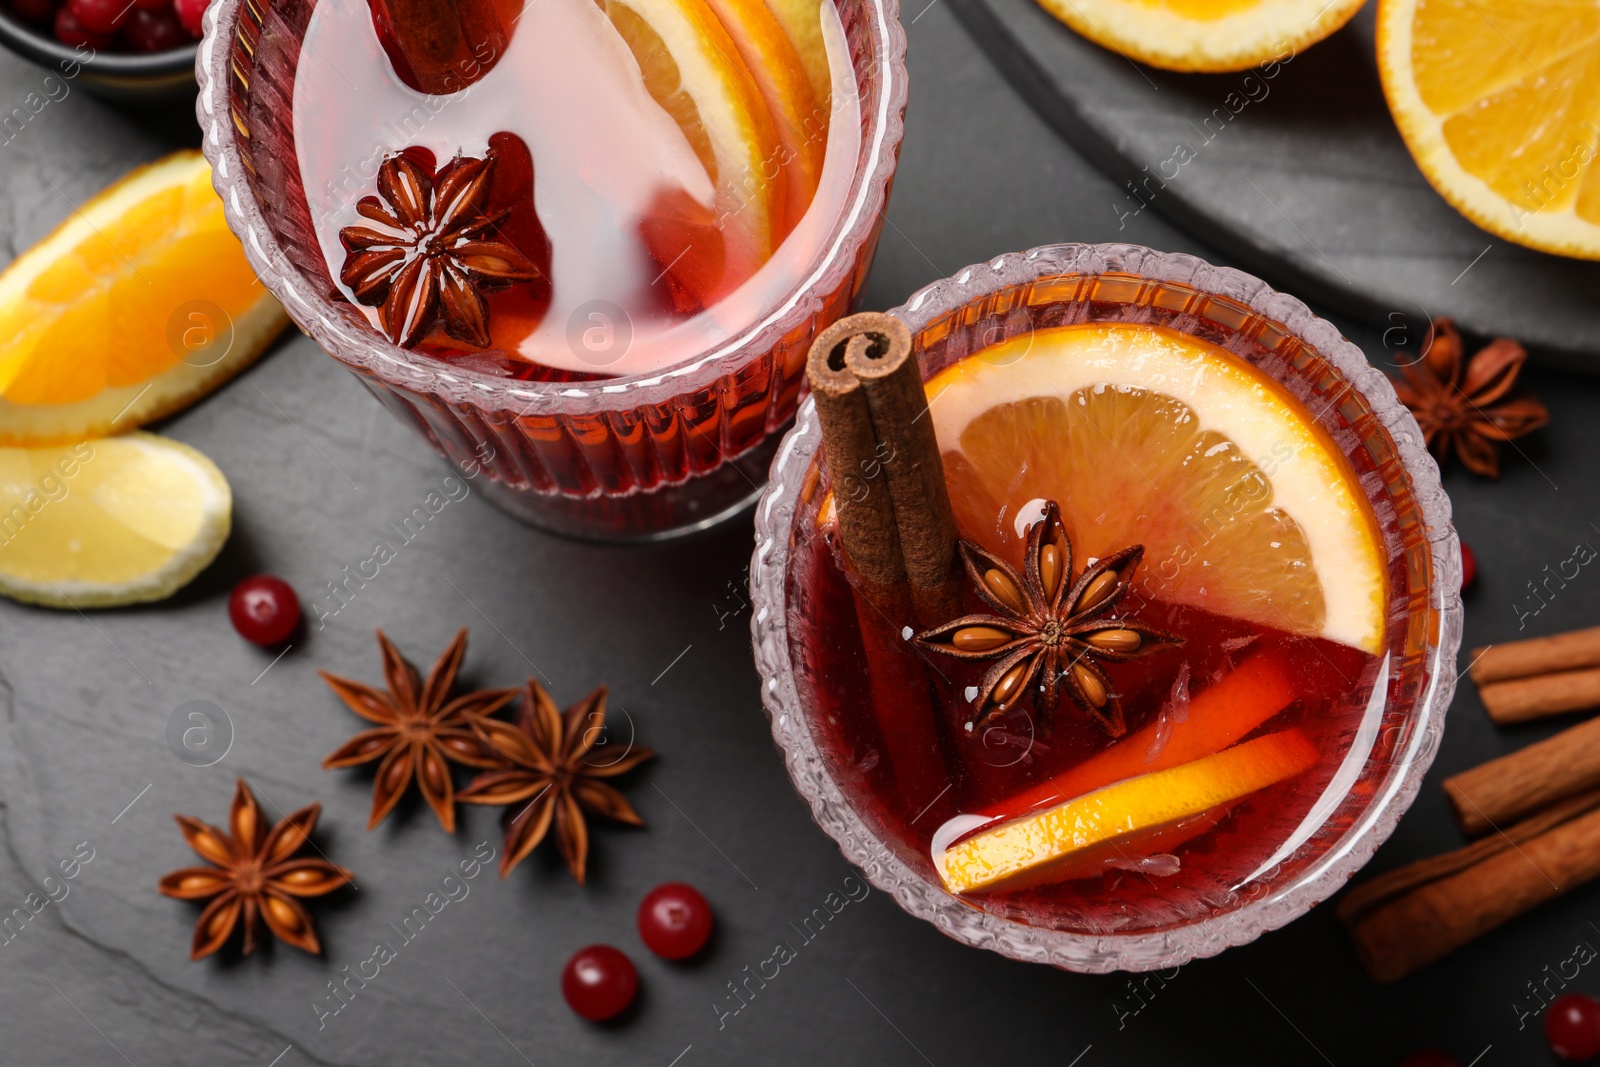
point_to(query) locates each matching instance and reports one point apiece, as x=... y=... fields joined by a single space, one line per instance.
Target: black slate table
x=101 y=976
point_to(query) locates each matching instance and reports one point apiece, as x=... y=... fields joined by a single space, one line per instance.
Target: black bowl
x=121 y=77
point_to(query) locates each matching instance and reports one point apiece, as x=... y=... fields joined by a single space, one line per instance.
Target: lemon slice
x=693 y=69
x=137 y=305
x=1499 y=103
x=1148 y=436
x=1204 y=35
x=120 y=520
x=1151 y=811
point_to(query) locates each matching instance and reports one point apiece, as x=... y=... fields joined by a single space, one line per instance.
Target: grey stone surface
x=1295 y=169
x=102 y=976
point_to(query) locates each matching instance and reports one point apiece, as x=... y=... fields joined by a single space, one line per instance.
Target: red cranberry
x=1469 y=566
x=189 y=13
x=264 y=610
x=34 y=10
x=153 y=5
x=674 y=921
x=599 y=982
x=1430 y=1057
x=72 y=33
x=99 y=16
x=155 y=31
x=1572 y=1026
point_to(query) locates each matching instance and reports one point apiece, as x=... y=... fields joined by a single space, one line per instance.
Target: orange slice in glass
x=694 y=70
x=136 y=306
x=1144 y=435
x=802 y=21
x=1133 y=818
x=802 y=126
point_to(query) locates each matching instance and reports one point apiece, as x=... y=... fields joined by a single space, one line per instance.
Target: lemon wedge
x=120 y=520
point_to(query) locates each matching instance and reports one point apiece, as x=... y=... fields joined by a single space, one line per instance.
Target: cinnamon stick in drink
x=870 y=435
x=1409 y=918
x=1498 y=793
x=924 y=520
x=895 y=518
x=855 y=463
x=1534 y=697
x=1577 y=650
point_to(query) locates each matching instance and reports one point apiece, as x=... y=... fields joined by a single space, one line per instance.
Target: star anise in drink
x=1469 y=406
x=420 y=731
x=254 y=877
x=554 y=770
x=431 y=257
x=1048 y=632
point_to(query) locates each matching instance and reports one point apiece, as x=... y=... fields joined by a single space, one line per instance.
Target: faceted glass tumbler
x=616 y=459
x=1399 y=732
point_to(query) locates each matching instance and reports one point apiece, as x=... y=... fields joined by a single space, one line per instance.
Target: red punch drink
x=1193 y=627
x=581 y=245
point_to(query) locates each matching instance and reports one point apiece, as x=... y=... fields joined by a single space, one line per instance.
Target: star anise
x=1471 y=405
x=254 y=875
x=418 y=733
x=1048 y=630
x=550 y=775
x=430 y=259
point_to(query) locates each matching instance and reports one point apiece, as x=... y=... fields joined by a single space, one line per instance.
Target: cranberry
x=189 y=13
x=153 y=5
x=34 y=10
x=674 y=921
x=155 y=31
x=1430 y=1057
x=100 y=16
x=1469 y=566
x=1572 y=1026
x=599 y=982
x=71 y=32
x=264 y=610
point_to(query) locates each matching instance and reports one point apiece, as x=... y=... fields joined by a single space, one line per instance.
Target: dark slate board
x=1306 y=181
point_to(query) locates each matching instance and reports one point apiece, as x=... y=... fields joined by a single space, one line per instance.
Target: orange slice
x=801 y=126
x=694 y=70
x=139 y=304
x=1219 y=715
x=1147 y=436
x=1204 y=35
x=1499 y=103
x=802 y=21
x=1135 y=817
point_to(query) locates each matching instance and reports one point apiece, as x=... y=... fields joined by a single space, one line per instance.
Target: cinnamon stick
x=1522 y=699
x=895 y=519
x=1503 y=790
x=1539 y=655
x=1416 y=915
x=889 y=375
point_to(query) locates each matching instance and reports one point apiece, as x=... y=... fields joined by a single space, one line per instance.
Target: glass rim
x=1174 y=944
x=368 y=352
